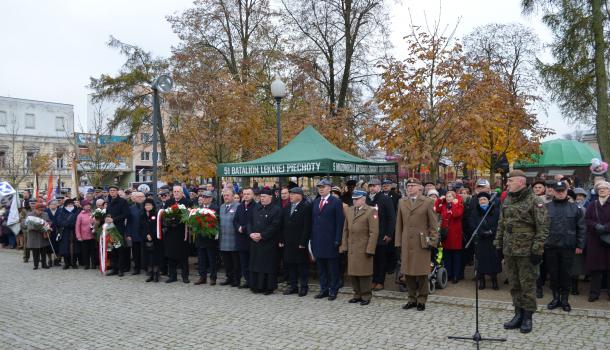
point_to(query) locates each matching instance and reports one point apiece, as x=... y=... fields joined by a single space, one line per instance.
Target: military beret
x=413 y=180
x=374 y=182
x=358 y=194
x=323 y=182
x=516 y=173
x=297 y=190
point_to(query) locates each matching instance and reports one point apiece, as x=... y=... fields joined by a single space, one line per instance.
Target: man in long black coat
x=296 y=229
x=117 y=212
x=264 y=230
x=175 y=244
x=242 y=217
x=387 y=224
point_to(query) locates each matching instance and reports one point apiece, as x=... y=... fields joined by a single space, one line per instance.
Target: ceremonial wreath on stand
x=201 y=222
x=109 y=239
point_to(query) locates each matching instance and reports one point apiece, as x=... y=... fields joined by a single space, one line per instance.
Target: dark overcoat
x=296 y=229
x=386 y=215
x=326 y=228
x=597 y=254
x=242 y=217
x=66 y=227
x=487 y=255
x=174 y=245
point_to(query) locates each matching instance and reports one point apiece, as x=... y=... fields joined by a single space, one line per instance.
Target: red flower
x=174 y=207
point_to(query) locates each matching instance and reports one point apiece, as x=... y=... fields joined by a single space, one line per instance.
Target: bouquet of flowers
x=38 y=224
x=98 y=214
x=174 y=213
x=113 y=236
x=201 y=222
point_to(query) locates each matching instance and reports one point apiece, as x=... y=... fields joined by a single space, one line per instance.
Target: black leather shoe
x=185 y=280
x=303 y=292
x=35 y=268
x=332 y=297
x=291 y=291
x=593 y=297
x=135 y=272
x=354 y=300
x=225 y=283
x=409 y=305
x=421 y=307
x=236 y=284
x=365 y=302
x=268 y=292
x=494 y=283
x=321 y=295
x=121 y=274
x=68 y=266
x=150 y=278
x=111 y=273
x=516 y=320
x=86 y=267
x=481 y=284
x=565 y=305
x=171 y=279
x=244 y=286
x=527 y=324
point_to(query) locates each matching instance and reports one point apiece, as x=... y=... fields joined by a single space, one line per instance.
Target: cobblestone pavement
x=78 y=309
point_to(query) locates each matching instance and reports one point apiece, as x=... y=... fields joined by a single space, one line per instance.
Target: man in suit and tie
x=416 y=234
x=294 y=238
x=326 y=232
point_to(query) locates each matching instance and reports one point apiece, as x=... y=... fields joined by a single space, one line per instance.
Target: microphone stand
x=476 y=337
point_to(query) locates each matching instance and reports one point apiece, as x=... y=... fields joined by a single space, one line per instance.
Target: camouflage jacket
x=523 y=226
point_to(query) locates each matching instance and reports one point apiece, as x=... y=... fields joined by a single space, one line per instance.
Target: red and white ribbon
x=103 y=249
x=159 y=221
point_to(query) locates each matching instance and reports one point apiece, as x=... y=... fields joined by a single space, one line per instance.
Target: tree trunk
x=601 y=81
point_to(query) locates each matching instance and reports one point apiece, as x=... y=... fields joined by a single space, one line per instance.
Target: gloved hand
x=599 y=228
x=535 y=259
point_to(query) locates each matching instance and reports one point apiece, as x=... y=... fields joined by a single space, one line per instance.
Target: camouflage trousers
x=522 y=277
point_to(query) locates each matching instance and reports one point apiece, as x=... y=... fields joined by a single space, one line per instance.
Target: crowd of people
x=365 y=230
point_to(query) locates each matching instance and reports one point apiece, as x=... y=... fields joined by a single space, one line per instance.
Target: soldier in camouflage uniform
x=522 y=231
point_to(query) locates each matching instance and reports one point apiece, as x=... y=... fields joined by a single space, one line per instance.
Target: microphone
x=493 y=196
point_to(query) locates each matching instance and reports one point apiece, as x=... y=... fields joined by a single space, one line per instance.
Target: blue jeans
x=453 y=263
x=206 y=260
x=328 y=271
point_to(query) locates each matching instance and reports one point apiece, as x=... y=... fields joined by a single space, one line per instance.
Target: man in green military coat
x=522 y=231
x=360 y=233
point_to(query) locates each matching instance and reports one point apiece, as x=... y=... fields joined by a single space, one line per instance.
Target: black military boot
x=516 y=321
x=151 y=276
x=565 y=305
x=481 y=282
x=526 y=325
x=494 y=282
x=555 y=301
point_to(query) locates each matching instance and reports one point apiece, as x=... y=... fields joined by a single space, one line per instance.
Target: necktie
x=322 y=203
x=292 y=207
x=227 y=209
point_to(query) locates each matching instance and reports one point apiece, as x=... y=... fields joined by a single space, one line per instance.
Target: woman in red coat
x=451 y=209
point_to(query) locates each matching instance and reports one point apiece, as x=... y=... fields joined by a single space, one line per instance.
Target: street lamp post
x=163 y=83
x=278 y=90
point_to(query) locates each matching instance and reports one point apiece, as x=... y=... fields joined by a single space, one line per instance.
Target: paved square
x=78 y=309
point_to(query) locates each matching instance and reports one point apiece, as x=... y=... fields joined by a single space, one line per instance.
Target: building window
x=144 y=155
x=3 y=121
x=29 y=156
x=30 y=121
x=144 y=138
x=59 y=124
x=2 y=159
x=59 y=162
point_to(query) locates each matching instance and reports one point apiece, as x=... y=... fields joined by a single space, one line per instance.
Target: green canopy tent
x=559 y=157
x=308 y=154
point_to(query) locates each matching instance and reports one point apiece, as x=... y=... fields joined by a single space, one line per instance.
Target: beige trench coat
x=416 y=228
x=360 y=232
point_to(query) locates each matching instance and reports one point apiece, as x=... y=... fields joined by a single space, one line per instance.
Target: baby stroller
x=437 y=278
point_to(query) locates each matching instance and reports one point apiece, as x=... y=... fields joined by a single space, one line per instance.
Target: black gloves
x=535 y=259
x=600 y=229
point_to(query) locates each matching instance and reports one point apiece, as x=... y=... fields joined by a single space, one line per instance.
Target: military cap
x=297 y=190
x=113 y=186
x=458 y=185
x=374 y=182
x=516 y=173
x=413 y=180
x=430 y=183
x=482 y=183
x=207 y=194
x=163 y=191
x=387 y=182
x=560 y=186
x=90 y=190
x=323 y=182
x=358 y=194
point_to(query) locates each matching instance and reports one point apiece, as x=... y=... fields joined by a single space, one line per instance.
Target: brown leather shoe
x=202 y=280
x=212 y=281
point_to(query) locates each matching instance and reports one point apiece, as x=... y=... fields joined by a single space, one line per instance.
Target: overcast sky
x=49 y=49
